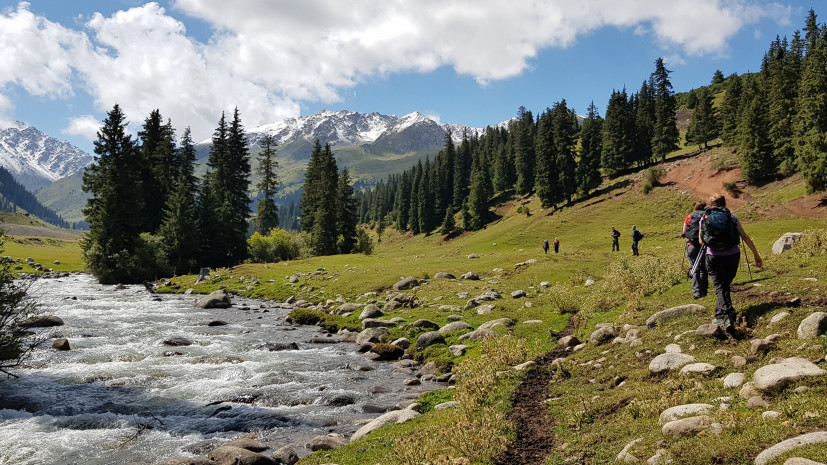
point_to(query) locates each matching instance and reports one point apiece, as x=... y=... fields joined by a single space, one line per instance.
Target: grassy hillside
x=603 y=397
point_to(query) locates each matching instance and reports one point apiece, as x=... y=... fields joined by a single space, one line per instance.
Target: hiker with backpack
x=615 y=239
x=556 y=245
x=636 y=237
x=545 y=245
x=720 y=235
x=691 y=230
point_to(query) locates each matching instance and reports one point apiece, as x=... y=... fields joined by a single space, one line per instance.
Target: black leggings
x=722 y=270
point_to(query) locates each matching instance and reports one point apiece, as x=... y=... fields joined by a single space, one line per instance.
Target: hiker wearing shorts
x=691 y=230
x=720 y=232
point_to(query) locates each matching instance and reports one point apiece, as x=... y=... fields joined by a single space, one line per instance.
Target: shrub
x=275 y=246
x=305 y=316
x=15 y=307
x=732 y=188
x=654 y=174
x=387 y=351
x=147 y=262
x=635 y=277
x=646 y=187
x=364 y=244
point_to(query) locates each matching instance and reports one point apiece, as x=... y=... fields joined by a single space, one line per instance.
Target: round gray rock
x=327 y=442
x=371 y=311
x=428 y=339
x=813 y=326
x=396 y=416
x=776 y=376
x=373 y=335
x=456 y=326
x=766 y=456
x=666 y=362
x=687 y=426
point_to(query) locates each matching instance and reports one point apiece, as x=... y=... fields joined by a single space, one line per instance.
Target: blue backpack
x=720 y=230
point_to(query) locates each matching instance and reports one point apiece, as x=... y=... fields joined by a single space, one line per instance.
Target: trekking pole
x=701 y=253
x=744 y=248
x=683 y=258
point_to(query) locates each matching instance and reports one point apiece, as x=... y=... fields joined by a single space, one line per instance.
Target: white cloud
x=86 y=126
x=267 y=56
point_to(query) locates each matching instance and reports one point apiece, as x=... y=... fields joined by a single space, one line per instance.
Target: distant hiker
x=691 y=230
x=615 y=238
x=556 y=245
x=545 y=245
x=720 y=234
x=636 y=237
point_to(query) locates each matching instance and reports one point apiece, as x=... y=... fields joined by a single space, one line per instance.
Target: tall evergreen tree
x=426 y=199
x=781 y=78
x=113 y=182
x=180 y=228
x=462 y=172
x=480 y=193
x=443 y=179
x=704 y=126
x=811 y=120
x=267 y=216
x=644 y=123
x=311 y=191
x=505 y=171
x=345 y=213
x=564 y=126
x=416 y=193
x=731 y=110
x=319 y=201
x=157 y=150
x=591 y=146
x=665 y=135
x=403 y=201
x=618 y=134
x=523 y=135
x=754 y=146
x=547 y=176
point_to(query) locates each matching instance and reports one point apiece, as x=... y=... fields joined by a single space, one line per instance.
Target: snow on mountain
x=36 y=159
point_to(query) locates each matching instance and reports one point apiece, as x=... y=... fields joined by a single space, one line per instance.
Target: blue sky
x=65 y=63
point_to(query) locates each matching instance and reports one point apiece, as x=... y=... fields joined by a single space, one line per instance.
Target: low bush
x=732 y=188
x=653 y=175
x=276 y=246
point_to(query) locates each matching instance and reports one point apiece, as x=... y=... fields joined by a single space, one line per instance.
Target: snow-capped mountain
x=349 y=128
x=36 y=159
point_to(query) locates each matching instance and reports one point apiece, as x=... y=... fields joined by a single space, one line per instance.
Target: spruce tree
x=547 y=177
x=311 y=192
x=180 y=228
x=448 y=223
x=704 y=126
x=345 y=213
x=754 y=146
x=416 y=193
x=644 y=123
x=811 y=119
x=113 y=182
x=403 y=201
x=618 y=134
x=426 y=200
x=731 y=110
x=267 y=214
x=462 y=172
x=157 y=150
x=564 y=126
x=477 y=205
x=523 y=135
x=591 y=146
x=665 y=135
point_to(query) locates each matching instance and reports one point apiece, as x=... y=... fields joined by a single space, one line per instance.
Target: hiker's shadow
x=755 y=311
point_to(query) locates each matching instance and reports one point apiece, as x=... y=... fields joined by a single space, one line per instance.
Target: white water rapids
x=120 y=395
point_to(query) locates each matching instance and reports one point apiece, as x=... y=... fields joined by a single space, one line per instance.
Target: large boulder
x=406 y=283
x=470 y=276
x=666 y=362
x=327 y=442
x=499 y=321
x=428 y=339
x=456 y=326
x=347 y=308
x=215 y=299
x=373 y=335
x=177 y=341
x=673 y=312
x=229 y=455
x=777 y=376
x=687 y=426
x=424 y=324
x=286 y=455
x=604 y=334
x=396 y=416
x=478 y=335
x=249 y=444
x=813 y=326
x=785 y=242
x=61 y=344
x=183 y=461
x=444 y=275
x=765 y=457
x=42 y=322
x=679 y=411
x=371 y=311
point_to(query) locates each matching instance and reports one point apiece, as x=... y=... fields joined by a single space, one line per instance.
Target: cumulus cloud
x=85 y=126
x=267 y=56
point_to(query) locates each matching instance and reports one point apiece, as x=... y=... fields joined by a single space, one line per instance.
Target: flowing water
x=120 y=395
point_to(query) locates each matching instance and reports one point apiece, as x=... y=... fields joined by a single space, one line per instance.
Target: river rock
x=678 y=411
x=387 y=351
x=397 y=416
x=377 y=323
x=371 y=311
x=785 y=242
x=249 y=444
x=424 y=324
x=478 y=335
x=458 y=350
x=711 y=330
x=699 y=368
x=373 y=335
x=518 y=294
x=217 y=323
x=568 y=341
x=215 y=299
x=347 y=308
x=778 y=375
x=61 y=344
x=666 y=362
x=687 y=426
x=499 y=321
x=813 y=326
x=279 y=346
x=177 y=341
x=767 y=455
x=406 y=283
x=183 y=461
x=286 y=455
x=734 y=380
x=470 y=276
x=42 y=322
x=604 y=334
x=327 y=442
x=402 y=342
x=485 y=309
x=428 y=339
x=673 y=312
x=778 y=317
x=229 y=455
x=443 y=275
x=456 y=326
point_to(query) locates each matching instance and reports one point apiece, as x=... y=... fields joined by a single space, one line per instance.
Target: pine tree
x=267 y=214
x=113 y=182
x=665 y=136
x=731 y=110
x=644 y=123
x=426 y=199
x=811 y=120
x=547 y=177
x=462 y=172
x=448 y=223
x=403 y=201
x=523 y=136
x=311 y=193
x=754 y=146
x=180 y=228
x=704 y=126
x=443 y=179
x=319 y=201
x=718 y=77
x=157 y=150
x=346 y=213
x=618 y=134
x=416 y=193
x=209 y=224
x=477 y=205
x=564 y=126
x=781 y=84
x=505 y=171
x=591 y=146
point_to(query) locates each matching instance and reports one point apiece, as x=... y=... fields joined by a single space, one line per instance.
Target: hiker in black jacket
x=636 y=237
x=615 y=237
x=691 y=230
